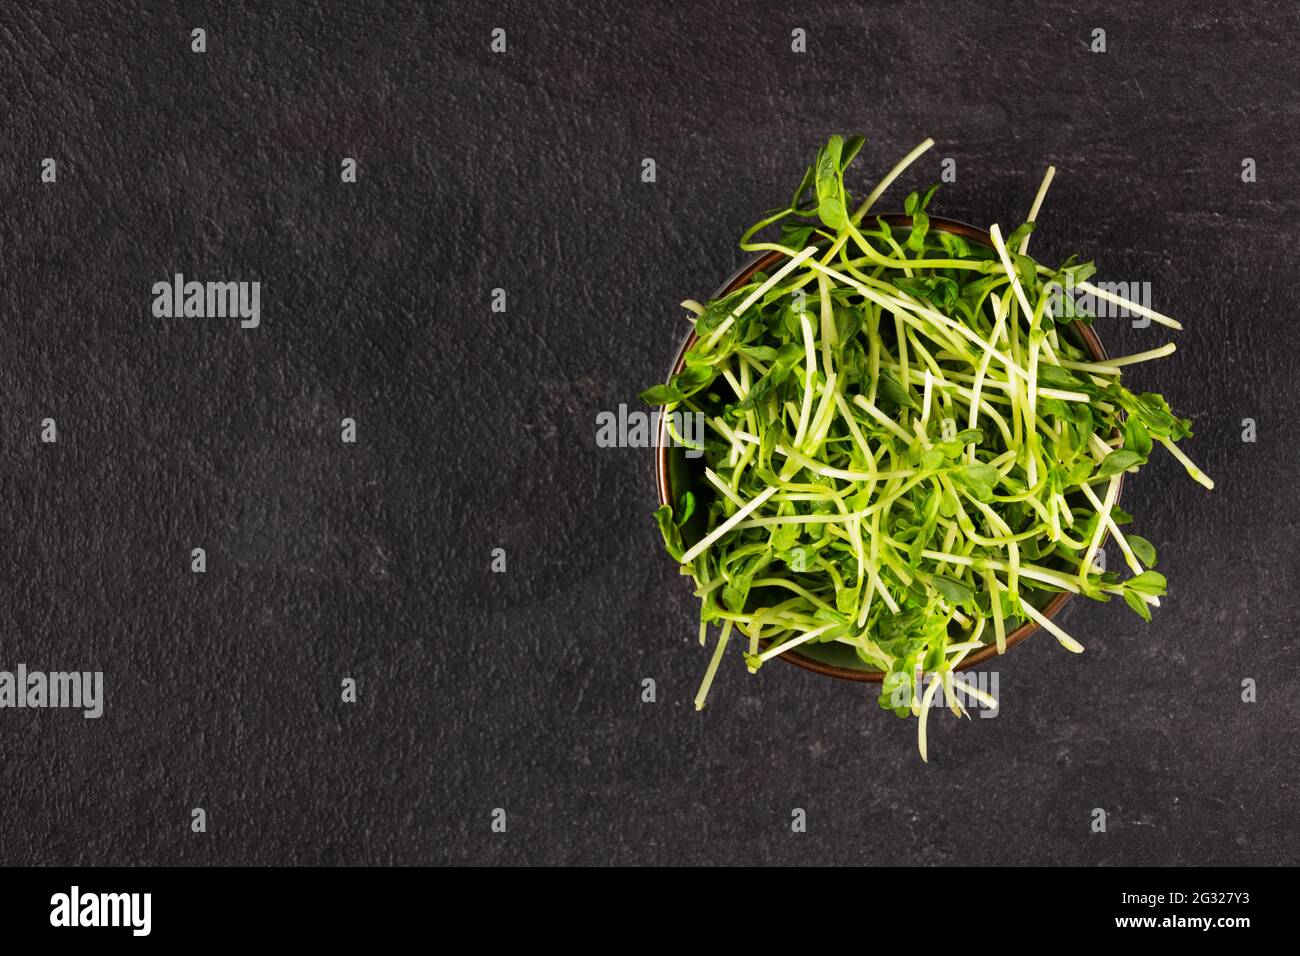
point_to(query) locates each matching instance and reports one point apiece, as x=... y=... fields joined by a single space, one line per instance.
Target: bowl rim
x=664 y=486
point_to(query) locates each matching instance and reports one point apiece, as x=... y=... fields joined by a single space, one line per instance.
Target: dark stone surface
x=476 y=430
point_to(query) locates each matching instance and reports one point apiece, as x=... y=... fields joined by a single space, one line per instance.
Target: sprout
x=908 y=449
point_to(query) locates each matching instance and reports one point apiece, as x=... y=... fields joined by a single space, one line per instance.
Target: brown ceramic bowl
x=672 y=472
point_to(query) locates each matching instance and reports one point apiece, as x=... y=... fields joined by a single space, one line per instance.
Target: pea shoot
x=907 y=451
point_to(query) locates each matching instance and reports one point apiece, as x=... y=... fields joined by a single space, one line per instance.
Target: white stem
x=757 y=294
x=1129 y=556
x=713 y=666
x=1069 y=643
x=996 y=235
x=1038 y=204
x=1130 y=305
x=1167 y=349
x=889 y=179
x=1112 y=489
x=706 y=542
x=1199 y=476
x=935 y=684
x=772 y=652
x=810 y=356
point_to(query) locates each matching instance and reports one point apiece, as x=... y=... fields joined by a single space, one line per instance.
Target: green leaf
x=920 y=227
x=894 y=687
x=830 y=184
x=919 y=286
x=734 y=598
x=1053 y=376
x=954 y=245
x=946 y=294
x=1136 y=437
x=661 y=395
x=800 y=560
x=1078 y=472
x=825 y=616
x=1019 y=233
x=1142 y=548
x=1079 y=271
x=672 y=536
x=1139 y=606
x=852 y=146
x=847 y=324
x=795 y=235
x=891 y=389
x=1159 y=419
x=687 y=506
x=804 y=185
x=1026 y=271
x=981 y=479
x=692 y=379
x=776 y=375
x=1148 y=582
x=1121 y=459
x=784 y=537
x=955 y=593
x=947 y=504
x=716 y=312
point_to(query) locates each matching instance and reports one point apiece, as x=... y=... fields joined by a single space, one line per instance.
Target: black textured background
x=521 y=170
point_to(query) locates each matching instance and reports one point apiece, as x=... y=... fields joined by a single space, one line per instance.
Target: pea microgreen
x=909 y=453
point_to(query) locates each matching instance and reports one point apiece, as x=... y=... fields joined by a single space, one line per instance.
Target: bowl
x=674 y=474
